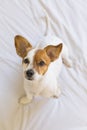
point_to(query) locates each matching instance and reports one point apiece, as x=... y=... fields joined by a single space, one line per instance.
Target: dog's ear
x=22 y=46
x=53 y=51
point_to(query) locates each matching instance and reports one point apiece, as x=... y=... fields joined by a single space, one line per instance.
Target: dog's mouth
x=29 y=78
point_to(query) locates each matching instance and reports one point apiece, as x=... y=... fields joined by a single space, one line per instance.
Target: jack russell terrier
x=41 y=66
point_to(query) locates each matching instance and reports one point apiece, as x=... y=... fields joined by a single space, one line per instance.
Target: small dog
x=41 y=66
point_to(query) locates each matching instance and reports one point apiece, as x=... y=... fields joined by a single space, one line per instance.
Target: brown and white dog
x=41 y=66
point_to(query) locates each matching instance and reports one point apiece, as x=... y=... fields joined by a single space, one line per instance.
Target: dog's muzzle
x=29 y=74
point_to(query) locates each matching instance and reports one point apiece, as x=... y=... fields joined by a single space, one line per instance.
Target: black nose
x=29 y=73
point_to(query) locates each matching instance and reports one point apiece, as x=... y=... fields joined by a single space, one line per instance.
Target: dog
x=41 y=66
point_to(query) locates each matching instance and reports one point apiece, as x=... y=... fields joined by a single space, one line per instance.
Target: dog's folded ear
x=22 y=46
x=53 y=51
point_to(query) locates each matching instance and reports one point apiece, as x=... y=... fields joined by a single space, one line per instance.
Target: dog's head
x=35 y=61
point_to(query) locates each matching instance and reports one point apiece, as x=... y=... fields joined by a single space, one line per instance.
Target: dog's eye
x=26 y=61
x=41 y=63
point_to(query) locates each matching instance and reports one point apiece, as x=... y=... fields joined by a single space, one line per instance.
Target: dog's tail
x=48 y=26
x=47 y=20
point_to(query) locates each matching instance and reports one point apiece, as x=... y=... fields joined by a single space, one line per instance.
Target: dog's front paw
x=24 y=100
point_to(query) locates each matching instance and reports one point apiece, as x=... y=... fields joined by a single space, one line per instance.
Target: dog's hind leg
x=65 y=57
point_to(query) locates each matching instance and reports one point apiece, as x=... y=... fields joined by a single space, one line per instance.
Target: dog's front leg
x=26 y=99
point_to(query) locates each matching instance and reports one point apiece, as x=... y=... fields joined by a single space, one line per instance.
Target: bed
x=29 y=18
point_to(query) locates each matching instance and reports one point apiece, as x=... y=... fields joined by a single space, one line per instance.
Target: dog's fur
x=41 y=66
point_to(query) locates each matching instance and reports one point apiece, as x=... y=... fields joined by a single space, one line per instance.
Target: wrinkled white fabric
x=67 y=20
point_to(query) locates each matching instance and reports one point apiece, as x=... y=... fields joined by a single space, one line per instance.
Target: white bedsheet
x=68 y=20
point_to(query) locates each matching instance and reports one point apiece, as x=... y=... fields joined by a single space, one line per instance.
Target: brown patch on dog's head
x=44 y=57
x=22 y=46
x=41 y=61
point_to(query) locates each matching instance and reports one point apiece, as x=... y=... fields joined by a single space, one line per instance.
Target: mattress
x=31 y=19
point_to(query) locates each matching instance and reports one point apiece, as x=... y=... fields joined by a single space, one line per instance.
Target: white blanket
x=68 y=20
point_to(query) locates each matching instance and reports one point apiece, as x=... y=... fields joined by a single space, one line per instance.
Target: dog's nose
x=29 y=73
